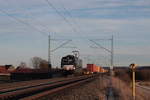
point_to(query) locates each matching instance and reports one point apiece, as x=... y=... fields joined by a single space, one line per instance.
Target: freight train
x=30 y=74
x=71 y=64
x=92 y=68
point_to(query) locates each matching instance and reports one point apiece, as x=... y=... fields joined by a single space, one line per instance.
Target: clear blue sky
x=127 y=20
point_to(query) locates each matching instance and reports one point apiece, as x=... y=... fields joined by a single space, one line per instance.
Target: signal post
x=133 y=66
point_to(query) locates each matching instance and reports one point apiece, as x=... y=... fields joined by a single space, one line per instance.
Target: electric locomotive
x=71 y=64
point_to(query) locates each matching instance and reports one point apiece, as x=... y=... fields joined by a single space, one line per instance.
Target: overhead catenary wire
x=64 y=18
x=70 y=15
x=39 y=22
x=30 y=14
x=75 y=21
x=61 y=45
x=23 y=22
x=101 y=46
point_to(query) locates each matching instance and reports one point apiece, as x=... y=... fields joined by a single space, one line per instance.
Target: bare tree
x=23 y=64
x=38 y=62
x=44 y=64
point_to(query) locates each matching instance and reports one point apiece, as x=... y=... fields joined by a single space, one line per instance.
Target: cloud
x=128 y=20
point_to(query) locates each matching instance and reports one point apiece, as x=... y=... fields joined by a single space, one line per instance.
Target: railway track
x=33 y=92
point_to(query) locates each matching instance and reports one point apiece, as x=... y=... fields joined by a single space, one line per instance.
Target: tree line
x=36 y=63
x=125 y=74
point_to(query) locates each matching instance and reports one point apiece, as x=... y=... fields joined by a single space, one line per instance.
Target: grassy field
x=4 y=78
x=147 y=83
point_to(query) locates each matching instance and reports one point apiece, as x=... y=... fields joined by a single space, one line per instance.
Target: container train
x=71 y=64
x=92 y=68
x=29 y=74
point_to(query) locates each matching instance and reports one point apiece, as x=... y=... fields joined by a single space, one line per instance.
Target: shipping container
x=3 y=69
x=92 y=68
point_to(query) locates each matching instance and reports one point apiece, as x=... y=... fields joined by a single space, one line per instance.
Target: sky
x=25 y=25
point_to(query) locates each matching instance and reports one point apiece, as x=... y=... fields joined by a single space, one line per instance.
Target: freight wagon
x=6 y=69
x=29 y=74
x=92 y=68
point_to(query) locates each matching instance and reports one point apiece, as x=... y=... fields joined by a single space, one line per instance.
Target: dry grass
x=125 y=91
x=4 y=77
x=145 y=84
x=97 y=90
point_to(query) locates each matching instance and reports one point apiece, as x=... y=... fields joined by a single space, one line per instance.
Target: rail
x=34 y=92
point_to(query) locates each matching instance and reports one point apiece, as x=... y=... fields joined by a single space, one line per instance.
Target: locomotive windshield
x=68 y=60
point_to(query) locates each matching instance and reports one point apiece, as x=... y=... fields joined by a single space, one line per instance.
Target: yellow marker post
x=133 y=66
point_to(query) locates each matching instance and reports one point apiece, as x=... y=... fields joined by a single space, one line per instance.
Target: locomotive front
x=68 y=62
